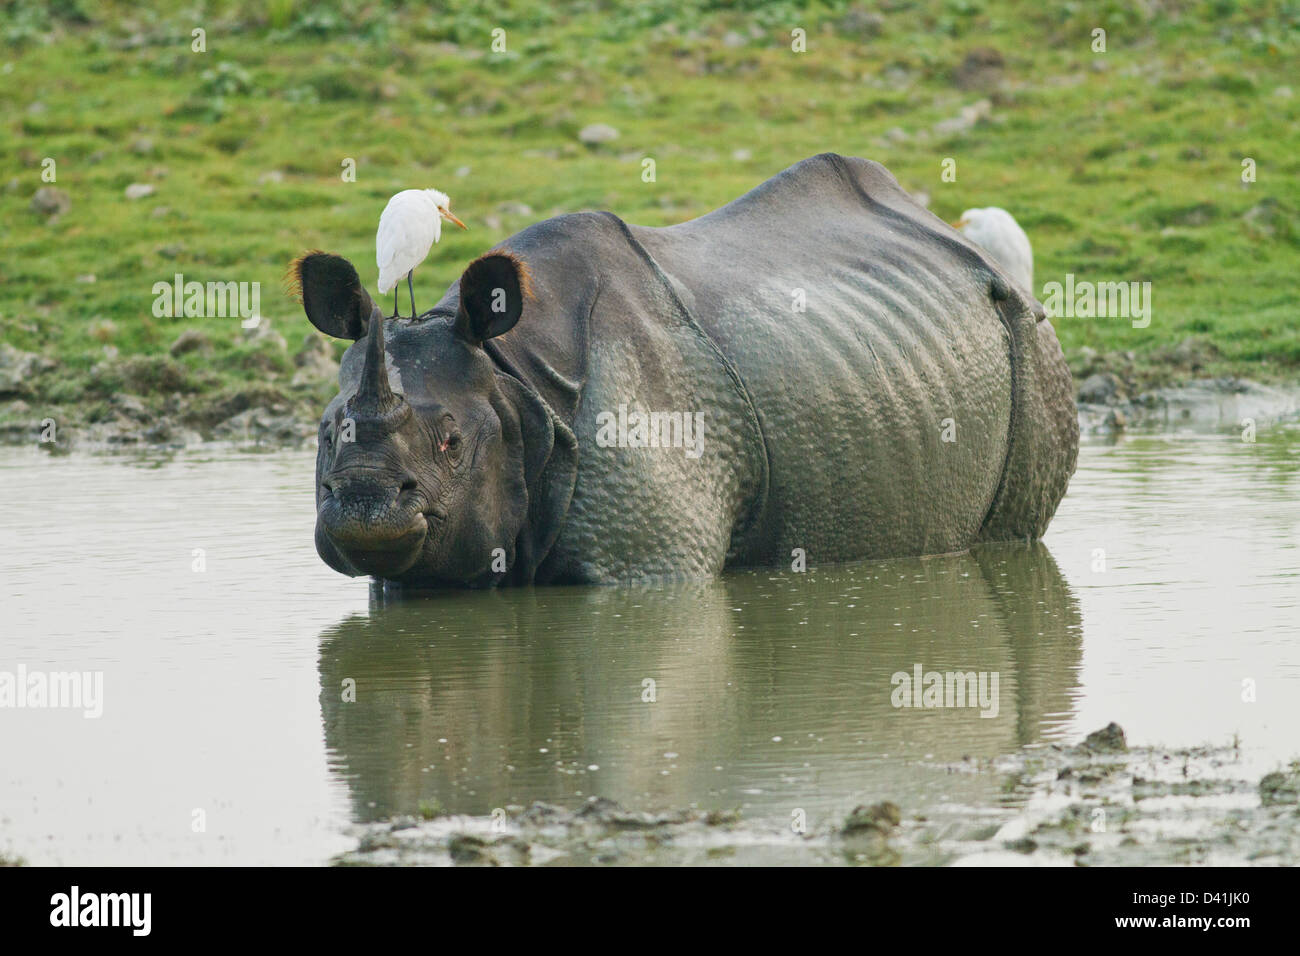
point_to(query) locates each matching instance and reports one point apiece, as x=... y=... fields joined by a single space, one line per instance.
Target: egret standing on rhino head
x=409 y=226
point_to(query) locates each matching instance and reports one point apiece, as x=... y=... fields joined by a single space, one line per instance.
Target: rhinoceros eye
x=451 y=445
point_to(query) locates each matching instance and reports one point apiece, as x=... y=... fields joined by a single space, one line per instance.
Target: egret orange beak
x=446 y=214
x=958 y=224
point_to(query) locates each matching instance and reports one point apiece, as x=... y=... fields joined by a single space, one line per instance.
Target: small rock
x=732 y=39
x=87 y=277
x=314 y=348
x=51 y=202
x=1192 y=352
x=742 y=155
x=599 y=808
x=16 y=366
x=271 y=176
x=191 y=340
x=118 y=431
x=131 y=406
x=1262 y=218
x=515 y=209
x=262 y=333
x=139 y=190
x=314 y=361
x=154 y=375
x=1279 y=788
x=980 y=70
x=260 y=424
x=597 y=133
x=143 y=146
x=879 y=817
x=966 y=119
x=167 y=432
x=1101 y=388
x=1110 y=739
x=511 y=851
x=462 y=171
x=542 y=814
x=860 y=21
x=466 y=848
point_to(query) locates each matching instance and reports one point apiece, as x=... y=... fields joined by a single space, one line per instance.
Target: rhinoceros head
x=421 y=469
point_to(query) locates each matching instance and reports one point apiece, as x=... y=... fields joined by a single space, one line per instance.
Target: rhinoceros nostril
x=408 y=485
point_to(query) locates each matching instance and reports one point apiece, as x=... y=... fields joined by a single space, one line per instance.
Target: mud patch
x=1095 y=804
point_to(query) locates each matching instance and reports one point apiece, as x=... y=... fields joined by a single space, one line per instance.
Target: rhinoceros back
x=867 y=337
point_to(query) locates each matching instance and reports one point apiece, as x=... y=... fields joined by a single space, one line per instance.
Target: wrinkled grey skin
x=917 y=404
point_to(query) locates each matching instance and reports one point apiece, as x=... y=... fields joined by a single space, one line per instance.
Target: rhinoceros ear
x=492 y=293
x=332 y=294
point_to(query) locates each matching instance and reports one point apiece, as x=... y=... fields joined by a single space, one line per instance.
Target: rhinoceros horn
x=374 y=397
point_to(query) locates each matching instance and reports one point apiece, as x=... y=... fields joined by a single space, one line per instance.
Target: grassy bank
x=1122 y=166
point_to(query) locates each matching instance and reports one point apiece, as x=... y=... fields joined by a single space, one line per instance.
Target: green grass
x=1123 y=166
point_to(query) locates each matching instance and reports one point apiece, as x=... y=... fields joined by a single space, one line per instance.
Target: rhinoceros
x=819 y=371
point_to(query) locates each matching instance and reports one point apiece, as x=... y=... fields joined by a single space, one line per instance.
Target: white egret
x=996 y=231
x=409 y=226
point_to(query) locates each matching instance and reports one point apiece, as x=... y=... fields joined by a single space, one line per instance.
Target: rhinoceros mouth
x=383 y=555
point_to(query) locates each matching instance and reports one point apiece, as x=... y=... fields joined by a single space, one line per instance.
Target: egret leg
x=412 y=291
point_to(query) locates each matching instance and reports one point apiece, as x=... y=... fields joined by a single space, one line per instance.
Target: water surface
x=1165 y=594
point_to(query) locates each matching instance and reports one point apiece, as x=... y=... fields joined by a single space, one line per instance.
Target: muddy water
x=1170 y=577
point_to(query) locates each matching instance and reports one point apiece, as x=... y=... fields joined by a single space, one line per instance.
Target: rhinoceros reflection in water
x=756 y=681
x=868 y=384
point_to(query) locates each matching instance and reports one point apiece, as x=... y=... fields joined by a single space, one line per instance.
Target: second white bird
x=997 y=231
